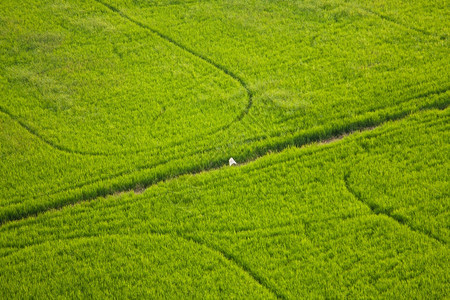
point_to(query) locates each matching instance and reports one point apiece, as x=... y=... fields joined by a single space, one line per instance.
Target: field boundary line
x=109 y=191
x=378 y=210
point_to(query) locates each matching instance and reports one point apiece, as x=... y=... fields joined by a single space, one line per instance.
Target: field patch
x=294 y=224
x=126 y=94
x=97 y=83
x=118 y=119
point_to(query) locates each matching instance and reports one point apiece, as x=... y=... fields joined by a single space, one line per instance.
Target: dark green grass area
x=105 y=96
x=341 y=220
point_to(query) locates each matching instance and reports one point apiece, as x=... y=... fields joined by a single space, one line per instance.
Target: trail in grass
x=45 y=140
x=394 y=21
x=227 y=257
x=338 y=134
x=378 y=210
x=195 y=170
x=242 y=266
x=221 y=68
x=75 y=200
x=194 y=53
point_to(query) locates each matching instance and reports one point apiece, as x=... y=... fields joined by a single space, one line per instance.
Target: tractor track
x=378 y=210
x=238 y=79
x=396 y=22
x=35 y=133
x=276 y=146
x=226 y=256
x=192 y=52
x=215 y=164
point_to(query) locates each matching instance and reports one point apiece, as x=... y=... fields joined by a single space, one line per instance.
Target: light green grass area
x=300 y=223
x=89 y=81
x=117 y=94
x=118 y=117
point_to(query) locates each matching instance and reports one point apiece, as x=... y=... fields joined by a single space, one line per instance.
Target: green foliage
x=98 y=97
x=128 y=93
x=130 y=267
x=299 y=223
x=99 y=84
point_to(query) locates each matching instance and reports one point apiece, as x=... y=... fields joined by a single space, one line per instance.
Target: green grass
x=299 y=223
x=100 y=98
x=127 y=94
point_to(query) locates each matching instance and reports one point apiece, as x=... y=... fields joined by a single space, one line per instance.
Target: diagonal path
x=194 y=53
x=88 y=195
x=380 y=211
x=394 y=21
x=241 y=265
x=221 y=68
x=229 y=258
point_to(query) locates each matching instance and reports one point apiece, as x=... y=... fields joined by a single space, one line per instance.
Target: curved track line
x=194 y=53
x=45 y=140
x=215 y=164
x=231 y=259
x=378 y=210
x=173 y=42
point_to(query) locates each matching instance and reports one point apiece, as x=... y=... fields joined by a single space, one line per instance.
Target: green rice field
x=118 y=118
